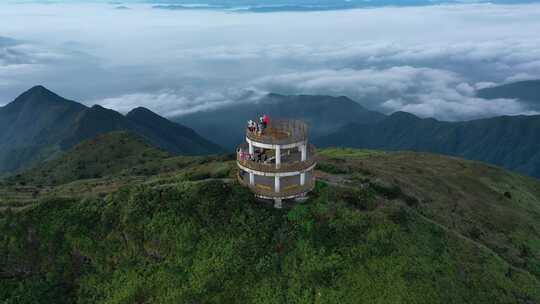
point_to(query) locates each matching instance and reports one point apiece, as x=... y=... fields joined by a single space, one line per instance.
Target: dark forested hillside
x=29 y=123
x=324 y=114
x=40 y=125
x=168 y=135
x=379 y=228
x=509 y=141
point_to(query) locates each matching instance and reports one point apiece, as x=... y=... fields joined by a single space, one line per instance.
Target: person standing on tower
x=265 y=120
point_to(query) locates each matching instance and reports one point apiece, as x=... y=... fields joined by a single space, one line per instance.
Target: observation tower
x=276 y=162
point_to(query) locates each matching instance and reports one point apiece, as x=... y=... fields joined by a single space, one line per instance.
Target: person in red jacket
x=265 y=120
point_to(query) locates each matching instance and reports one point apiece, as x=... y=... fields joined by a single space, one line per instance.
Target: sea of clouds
x=427 y=60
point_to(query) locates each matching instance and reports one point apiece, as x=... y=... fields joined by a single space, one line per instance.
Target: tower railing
x=270 y=193
x=294 y=166
x=281 y=131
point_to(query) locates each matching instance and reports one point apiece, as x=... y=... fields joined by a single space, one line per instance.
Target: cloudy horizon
x=425 y=60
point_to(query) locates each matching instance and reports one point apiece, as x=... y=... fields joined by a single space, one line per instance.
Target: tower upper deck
x=280 y=132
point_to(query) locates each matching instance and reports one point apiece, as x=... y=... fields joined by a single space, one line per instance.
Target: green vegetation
x=102 y=165
x=210 y=242
x=333 y=159
x=494 y=207
x=104 y=155
x=393 y=228
x=337 y=152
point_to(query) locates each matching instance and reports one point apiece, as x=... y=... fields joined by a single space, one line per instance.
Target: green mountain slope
x=524 y=90
x=169 y=135
x=379 y=228
x=324 y=114
x=107 y=154
x=486 y=204
x=40 y=125
x=509 y=141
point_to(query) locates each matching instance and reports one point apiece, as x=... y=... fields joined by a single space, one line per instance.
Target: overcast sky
x=425 y=60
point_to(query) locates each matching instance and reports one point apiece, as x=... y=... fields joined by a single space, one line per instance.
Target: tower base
x=281 y=203
x=278 y=203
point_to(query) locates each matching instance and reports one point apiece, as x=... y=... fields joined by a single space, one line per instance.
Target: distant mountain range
x=324 y=114
x=509 y=141
x=39 y=125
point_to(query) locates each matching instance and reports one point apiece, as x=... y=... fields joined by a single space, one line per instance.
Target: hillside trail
x=340 y=181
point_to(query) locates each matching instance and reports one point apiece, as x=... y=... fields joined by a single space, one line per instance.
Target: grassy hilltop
x=379 y=228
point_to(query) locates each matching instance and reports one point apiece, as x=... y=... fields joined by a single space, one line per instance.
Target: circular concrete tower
x=277 y=162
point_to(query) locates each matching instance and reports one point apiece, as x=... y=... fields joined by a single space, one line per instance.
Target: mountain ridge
x=508 y=141
x=39 y=125
x=323 y=114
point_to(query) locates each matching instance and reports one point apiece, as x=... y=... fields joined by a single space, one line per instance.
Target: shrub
x=399 y=216
x=359 y=198
x=389 y=191
x=411 y=201
x=221 y=172
x=331 y=168
x=197 y=175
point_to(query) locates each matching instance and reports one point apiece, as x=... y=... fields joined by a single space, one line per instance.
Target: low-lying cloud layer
x=425 y=60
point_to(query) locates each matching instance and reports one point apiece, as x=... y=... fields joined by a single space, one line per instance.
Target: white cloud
x=428 y=60
x=422 y=91
x=484 y=85
x=167 y=103
x=171 y=103
x=464 y=108
x=465 y=89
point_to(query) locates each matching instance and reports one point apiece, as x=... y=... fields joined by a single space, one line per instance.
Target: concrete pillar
x=277 y=203
x=251 y=150
x=303 y=151
x=277 y=184
x=302 y=178
x=251 y=179
x=278 y=156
